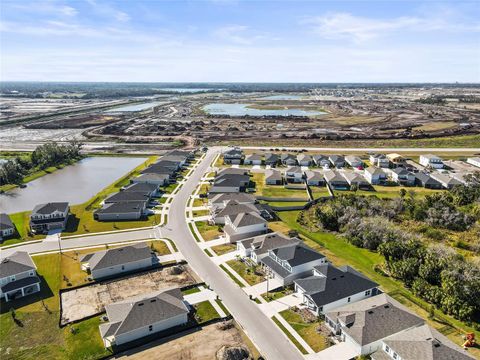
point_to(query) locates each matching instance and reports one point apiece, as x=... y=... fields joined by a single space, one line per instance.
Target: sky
x=240 y=41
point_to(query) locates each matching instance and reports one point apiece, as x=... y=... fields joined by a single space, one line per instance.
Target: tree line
x=44 y=156
x=433 y=271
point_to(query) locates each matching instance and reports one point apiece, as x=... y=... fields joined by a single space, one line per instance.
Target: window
x=387 y=349
x=395 y=356
x=31 y=273
x=12 y=278
x=367 y=293
x=150 y=327
x=348 y=300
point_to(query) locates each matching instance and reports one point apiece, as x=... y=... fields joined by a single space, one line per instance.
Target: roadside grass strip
x=190 y=225
x=238 y=282
x=204 y=311
x=208 y=252
x=290 y=336
x=222 y=306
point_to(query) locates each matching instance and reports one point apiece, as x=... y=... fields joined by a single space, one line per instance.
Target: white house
x=314 y=178
x=256 y=248
x=365 y=323
x=145 y=315
x=321 y=160
x=253 y=159
x=379 y=160
x=294 y=174
x=233 y=156
x=289 y=262
x=50 y=216
x=244 y=225
x=7 y=228
x=232 y=208
x=220 y=200
x=403 y=176
x=288 y=159
x=446 y=180
x=353 y=161
x=432 y=161
x=117 y=261
x=18 y=276
x=375 y=175
x=273 y=177
x=475 y=161
x=329 y=287
x=304 y=160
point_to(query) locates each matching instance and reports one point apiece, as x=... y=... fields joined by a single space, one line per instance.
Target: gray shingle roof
x=18 y=284
x=127 y=196
x=122 y=207
x=262 y=243
x=271 y=158
x=48 y=208
x=5 y=222
x=253 y=157
x=238 y=197
x=374 y=318
x=271 y=174
x=335 y=284
x=18 y=262
x=297 y=254
x=152 y=177
x=141 y=187
x=117 y=256
x=375 y=171
x=426 y=343
x=137 y=313
x=231 y=180
x=246 y=219
x=334 y=176
x=234 y=208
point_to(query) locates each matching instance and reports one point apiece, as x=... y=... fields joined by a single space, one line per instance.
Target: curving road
x=269 y=339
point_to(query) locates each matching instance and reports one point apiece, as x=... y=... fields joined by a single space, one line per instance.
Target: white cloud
x=341 y=25
x=51 y=8
x=108 y=10
x=233 y=33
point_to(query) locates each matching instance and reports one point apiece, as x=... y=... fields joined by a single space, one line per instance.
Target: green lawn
x=205 y=311
x=391 y=191
x=277 y=293
x=224 y=248
x=319 y=191
x=197 y=213
x=306 y=330
x=247 y=273
x=208 y=232
x=194 y=234
x=199 y=202
x=193 y=290
x=290 y=336
x=38 y=336
x=231 y=276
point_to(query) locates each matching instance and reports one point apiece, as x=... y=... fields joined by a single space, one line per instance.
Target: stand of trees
x=436 y=273
x=44 y=156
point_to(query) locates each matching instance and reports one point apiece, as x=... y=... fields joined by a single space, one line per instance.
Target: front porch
x=21 y=288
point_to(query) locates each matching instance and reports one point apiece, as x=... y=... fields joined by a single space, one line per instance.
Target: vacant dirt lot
x=198 y=345
x=89 y=300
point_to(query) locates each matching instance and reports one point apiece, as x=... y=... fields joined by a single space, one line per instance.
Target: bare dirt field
x=199 y=345
x=90 y=300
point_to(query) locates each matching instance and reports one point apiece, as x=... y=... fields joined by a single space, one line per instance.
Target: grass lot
x=286 y=203
x=232 y=276
x=290 y=336
x=247 y=273
x=194 y=234
x=275 y=190
x=204 y=188
x=191 y=291
x=220 y=303
x=319 y=191
x=200 y=213
x=391 y=191
x=306 y=330
x=223 y=249
x=38 y=336
x=199 y=202
x=277 y=293
x=340 y=252
x=208 y=232
x=205 y=311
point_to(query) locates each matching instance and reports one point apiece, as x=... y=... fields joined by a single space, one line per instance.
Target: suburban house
x=446 y=180
x=304 y=160
x=273 y=177
x=314 y=178
x=294 y=174
x=420 y=342
x=190 y=155
x=290 y=262
x=126 y=196
x=365 y=323
x=353 y=161
x=151 y=190
x=18 y=276
x=233 y=156
x=403 y=177
x=232 y=208
x=229 y=183
x=50 y=216
x=220 y=200
x=168 y=164
x=336 y=180
x=460 y=176
x=165 y=167
x=132 y=210
x=116 y=261
x=135 y=318
x=475 y=161
x=153 y=179
x=256 y=248
x=231 y=171
x=337 y=161
x=244 y=225
x=426 y=181
x=253 y=159
x=375 y=175
x=431 y=161
x=379 y=160
x=288 y=159
x=356 y=179
x=271 y=159
x=321 y=160
x=396 y=159
x=181 y=159
x=330 y=287
x=7 y=228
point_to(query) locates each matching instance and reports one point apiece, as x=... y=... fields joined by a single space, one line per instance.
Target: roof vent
x=140 y=304
x=153 y=300
x=342 y=276
x=386 y=306
x=370 y=311
x=334 y=278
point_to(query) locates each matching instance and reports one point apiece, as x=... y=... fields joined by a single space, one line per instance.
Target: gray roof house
x=321 y=160
x=273 y=177
x=365 y=323
x=357 y=179
x=288 y=159
x=337 y=161
x=403 y=176
x=314 y=178
x=425 y=180
x=304 y=159
x=336 y=180
x=132 y=210
x=117 y=261
x=375 y=175
x=231 y=208
x=271 y=159
x=253 y=159
x=138 y=317
x=155 y=179
x=219 y=200
x=379 y=160
x=18 y=276
x=446 y=180
x=330 y=287
x=289 y=262
x=232 y=171
x=233 y=156
x=244 y=225
x=126 y=196
x=49 y=216
x=421 y=342
x=151 y=190
x=7 y=228
x=257 y=247
x=229 y=183
x=294 y=174
x=353 y=161
x=160 y=170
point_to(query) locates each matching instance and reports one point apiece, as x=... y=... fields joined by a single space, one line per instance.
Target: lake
x=243 y=109
x=75 y=183
x=185 y=90
x=133 y=108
